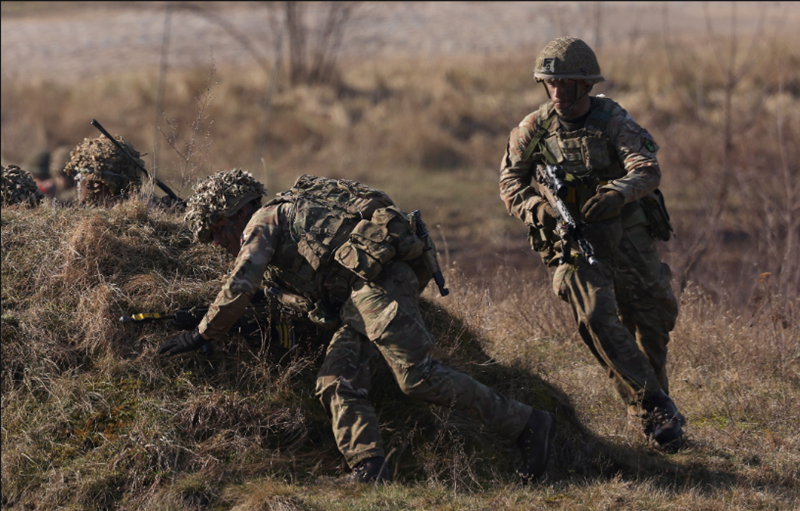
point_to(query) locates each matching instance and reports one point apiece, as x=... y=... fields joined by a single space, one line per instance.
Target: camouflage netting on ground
x=18 y=187
x=97 y=159
x=220 y=195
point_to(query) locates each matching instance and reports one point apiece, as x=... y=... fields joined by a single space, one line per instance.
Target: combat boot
x=370 y=470
x=535 y=442
x=663 y=422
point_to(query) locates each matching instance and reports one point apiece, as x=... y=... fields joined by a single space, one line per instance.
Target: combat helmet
x=98 y=160
x=567 y=58
x=18 y=187
x=220 y=195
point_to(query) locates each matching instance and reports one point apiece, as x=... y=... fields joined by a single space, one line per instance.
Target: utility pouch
x=357 y=260
x=657 y=216
x=386 y=236
x=595 y=151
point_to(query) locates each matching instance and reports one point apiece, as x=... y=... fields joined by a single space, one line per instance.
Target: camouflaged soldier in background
x=18 y=187
x=38 y=164
x=624 y=306
x=343 y=254
x=65 y=186
x=102 y=173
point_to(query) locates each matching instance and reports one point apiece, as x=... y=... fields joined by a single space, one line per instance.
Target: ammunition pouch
x=657 y=216
x=388 y=235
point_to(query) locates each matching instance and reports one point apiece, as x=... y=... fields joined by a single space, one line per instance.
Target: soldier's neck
x=575 y=123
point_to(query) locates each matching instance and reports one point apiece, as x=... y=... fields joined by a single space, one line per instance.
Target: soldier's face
x=562 y=92
x=227 y=233
x=93 y=191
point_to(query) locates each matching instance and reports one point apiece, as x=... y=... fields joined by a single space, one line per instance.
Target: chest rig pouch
x=388 y=235
x=586 y=154
x=323 y=214
x=588 y=158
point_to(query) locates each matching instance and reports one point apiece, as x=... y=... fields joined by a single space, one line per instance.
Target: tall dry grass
x=93 y=419
x=432 y=133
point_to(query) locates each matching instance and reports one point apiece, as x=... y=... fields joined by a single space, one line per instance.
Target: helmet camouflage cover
x=18 y=187
x=220 y=195
x=567 y=58
x=97 y=159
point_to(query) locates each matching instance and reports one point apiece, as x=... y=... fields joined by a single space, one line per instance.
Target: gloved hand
x=546 y=215
x=186 y=341
x=602 y=206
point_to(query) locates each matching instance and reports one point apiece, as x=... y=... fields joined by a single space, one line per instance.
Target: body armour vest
x=587 y=155
x=324 y=212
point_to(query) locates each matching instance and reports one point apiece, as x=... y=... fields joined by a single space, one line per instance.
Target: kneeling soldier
x=342 y=253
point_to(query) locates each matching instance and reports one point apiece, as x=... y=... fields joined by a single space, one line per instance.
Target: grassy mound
x=93 y=418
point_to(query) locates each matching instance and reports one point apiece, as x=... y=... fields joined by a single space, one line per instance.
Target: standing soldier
x=18 y=187
x=342 y=253
x=623 y=303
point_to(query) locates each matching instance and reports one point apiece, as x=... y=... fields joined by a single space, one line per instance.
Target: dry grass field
x=92 y=418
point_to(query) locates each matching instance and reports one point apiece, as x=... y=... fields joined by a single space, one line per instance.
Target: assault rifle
x=429 y=253
x=114 y=141
x=189 y=318
x=555 y=188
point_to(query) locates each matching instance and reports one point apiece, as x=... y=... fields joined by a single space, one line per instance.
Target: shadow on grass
x=427 y=443
x=448 y=446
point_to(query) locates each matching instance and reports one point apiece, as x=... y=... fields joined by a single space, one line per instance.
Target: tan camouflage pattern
x=624 y=307
x=18 y=187
x=220 y=195
x=625 y=311
x=97 y=159
x=383 y=317
x=567 y=58
x=626 y=136
x=261 y=236
x=378 y=317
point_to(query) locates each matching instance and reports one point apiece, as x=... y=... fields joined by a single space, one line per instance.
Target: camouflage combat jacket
x=611 y=152
x=295 y=242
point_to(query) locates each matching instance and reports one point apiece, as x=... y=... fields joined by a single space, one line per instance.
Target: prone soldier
x=19 y=187
x=103 y=175
x=620 y=295
x=346 y=256
x=38 y=164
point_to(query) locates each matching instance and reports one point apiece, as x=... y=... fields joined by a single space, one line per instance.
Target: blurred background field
x=418 y=100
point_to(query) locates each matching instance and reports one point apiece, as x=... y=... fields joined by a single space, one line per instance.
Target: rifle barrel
x=119 y=146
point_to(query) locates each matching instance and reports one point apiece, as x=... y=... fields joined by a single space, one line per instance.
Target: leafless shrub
x=192 y=148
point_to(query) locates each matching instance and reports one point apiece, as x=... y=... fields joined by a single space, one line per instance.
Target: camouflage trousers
x=382 y=318
x=625 y=309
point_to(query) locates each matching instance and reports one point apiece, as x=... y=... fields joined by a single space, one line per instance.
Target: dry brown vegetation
x=93 y=419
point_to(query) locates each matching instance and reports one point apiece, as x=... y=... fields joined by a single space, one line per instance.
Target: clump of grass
x=93 y=418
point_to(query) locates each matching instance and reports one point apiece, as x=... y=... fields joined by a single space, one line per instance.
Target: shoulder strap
x=600 y=115
x=544 y=117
